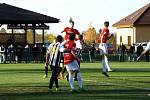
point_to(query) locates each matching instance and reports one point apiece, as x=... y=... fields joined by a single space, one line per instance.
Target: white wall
x=124 y=32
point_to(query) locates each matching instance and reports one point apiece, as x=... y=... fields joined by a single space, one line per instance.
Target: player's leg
x=71 y=81
x=56 y=73
x=106 y=62
x=54 y=78
x=75 y=78
x=103 y=51
x=46 y=71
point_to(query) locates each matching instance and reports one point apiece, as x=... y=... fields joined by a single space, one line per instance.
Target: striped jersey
x=104 y=35
x=68 y=57
x=55 y=54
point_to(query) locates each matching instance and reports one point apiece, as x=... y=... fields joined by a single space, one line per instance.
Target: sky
x=83 y=12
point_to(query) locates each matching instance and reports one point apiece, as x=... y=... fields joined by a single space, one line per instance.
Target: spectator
x=147 y=56
x=92 y=53
x=123 y=49
x=19 y=51
x=131 y=52
x=11 y=50
x=35 y=53
x=2 y=54
x=43 y=52
x=27 y=53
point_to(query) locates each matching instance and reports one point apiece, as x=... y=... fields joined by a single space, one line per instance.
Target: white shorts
x=103 y=48
x=72 y=66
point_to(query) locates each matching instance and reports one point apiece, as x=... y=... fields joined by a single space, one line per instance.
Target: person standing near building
x=104 y=36
x=131 y=52
x=53 y=58
x=145 y=50
x=123 y=50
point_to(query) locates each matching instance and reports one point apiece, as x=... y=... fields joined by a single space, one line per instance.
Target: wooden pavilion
x=18 y=18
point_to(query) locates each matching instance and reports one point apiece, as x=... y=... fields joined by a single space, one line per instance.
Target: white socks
x=106 y=62
x=104 y=69
x=71 y=81
x=79 y=80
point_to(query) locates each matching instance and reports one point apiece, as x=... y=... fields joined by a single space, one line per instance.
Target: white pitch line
x=141 y=88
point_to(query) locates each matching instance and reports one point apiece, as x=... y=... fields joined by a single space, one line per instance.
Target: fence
x=38 y=57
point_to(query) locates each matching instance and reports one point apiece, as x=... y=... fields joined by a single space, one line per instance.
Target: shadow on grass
x=89 y=94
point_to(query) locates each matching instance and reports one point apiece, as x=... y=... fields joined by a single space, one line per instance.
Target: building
x=134 y=28
x=18 y=18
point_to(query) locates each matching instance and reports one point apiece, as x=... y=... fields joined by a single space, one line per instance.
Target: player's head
x=71 y=22
x=59 y=38
x=80 y=37
x=100 y=30
x=72 y=37
x=106 y=23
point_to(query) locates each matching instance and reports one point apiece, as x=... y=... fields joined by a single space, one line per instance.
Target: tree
x=3 y=30
x=30 y=36
x=51 y=38
x=90 y=35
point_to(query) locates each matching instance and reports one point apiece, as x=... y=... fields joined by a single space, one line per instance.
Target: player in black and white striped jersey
x=53 y=58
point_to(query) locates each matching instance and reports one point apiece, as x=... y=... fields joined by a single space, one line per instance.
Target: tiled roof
x=139 y=17
x=11 y=14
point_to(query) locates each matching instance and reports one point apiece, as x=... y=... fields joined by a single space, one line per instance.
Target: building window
x=129 y=40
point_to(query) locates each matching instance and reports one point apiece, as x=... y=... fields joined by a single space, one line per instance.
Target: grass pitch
x=128 y=81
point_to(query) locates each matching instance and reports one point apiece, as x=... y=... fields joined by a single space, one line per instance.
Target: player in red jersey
x=70 y=30
x=104 y=36
x=70 y=61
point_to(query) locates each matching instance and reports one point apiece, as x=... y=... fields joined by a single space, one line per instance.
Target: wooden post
x=25 y=36
x=34 y=36
x=43 y=36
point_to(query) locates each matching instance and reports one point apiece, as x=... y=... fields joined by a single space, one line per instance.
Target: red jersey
x=104 y=35
x=68 y=57
x=70 y=31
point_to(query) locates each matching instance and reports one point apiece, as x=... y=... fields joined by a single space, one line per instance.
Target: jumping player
x=104 y=36
x=145 y=50
x=70 y=61
x=70 y=30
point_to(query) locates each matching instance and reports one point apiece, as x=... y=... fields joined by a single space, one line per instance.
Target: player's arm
x=64 y=30
x=138 y=58
x=74 y=54
x=110 y=35
x=146 y=49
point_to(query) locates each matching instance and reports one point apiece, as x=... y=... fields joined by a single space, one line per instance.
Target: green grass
x=129 y=81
